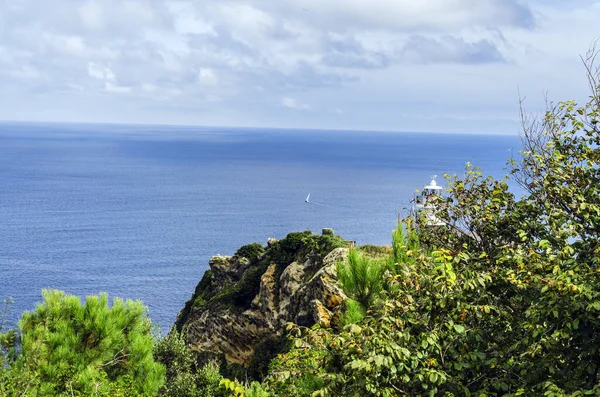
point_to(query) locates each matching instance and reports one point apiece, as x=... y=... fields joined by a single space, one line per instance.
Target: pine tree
x=87 y=349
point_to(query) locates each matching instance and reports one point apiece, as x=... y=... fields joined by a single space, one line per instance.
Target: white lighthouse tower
x=425 y=203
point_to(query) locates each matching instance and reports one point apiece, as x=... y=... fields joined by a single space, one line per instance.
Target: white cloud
x=207 y=77
x=407 y=15
x=292 y=103
x=92 y=14
x=448 y=49
x=106 y=75
x=100 y=73
x=212 y=61
x=110 y=87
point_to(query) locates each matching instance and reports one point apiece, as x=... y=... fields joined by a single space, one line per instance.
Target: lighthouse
x=425 y=204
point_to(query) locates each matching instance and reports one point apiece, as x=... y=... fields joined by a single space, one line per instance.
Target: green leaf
x=433 y=377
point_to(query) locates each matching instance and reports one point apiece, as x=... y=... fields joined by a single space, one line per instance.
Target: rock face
x=241 y=302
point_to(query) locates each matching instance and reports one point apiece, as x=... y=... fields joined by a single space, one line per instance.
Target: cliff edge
x=248 y=298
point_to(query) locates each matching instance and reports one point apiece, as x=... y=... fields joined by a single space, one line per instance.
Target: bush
x=352 y=313
x=264 y=352
x=176 y=356
x=8 y=337
x=361 y=277
x=302 y=245
x=375 y=250
x=252 y=252
x=183 y=379
x=89 y=349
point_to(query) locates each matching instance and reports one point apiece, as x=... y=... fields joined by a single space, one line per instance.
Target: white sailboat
x=307 y=198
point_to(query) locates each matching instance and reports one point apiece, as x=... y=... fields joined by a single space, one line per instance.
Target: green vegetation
x=264 y=352
x=375 y=251
x=252 y=252
x=239 y=296
x=67 y=348
x=302 y=245
x=353 y=312
x=362 y=277
x=8 y=337
x=183 y=379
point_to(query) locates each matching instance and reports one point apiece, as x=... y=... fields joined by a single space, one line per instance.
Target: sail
x=307 y=198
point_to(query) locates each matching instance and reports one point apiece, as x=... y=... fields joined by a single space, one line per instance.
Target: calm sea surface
x=137 y=211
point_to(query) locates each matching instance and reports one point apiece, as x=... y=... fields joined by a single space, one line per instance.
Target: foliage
x=363 y=274
x=353 y=312
x=483 y=215
x=255 y=390
x=252 y=252
x=182 y=377
x=236 y=389
x=361 y=277
x=560 y=171
x=404 y=346
x=8 y=353
x=89 y=349
x=8 y=337
x=264 y=352
x=208 y=380
x=176 y=356
x=405 y=244
x=375 y=251
x=302 y=245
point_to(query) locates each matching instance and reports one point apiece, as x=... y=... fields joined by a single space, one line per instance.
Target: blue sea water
x=137 y=211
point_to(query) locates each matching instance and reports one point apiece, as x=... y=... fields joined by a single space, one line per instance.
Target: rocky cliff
x=246 y=299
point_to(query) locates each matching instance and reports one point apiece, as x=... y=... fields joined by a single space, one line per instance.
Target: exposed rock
x=290 y=283
x=322 y=316
x=238 y=304
x=227 y=269
x=266 y=301
x=323 y=286
x=335 y=256
x=228 y=334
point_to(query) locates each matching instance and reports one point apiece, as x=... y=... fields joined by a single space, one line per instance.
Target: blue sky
x=397 y=65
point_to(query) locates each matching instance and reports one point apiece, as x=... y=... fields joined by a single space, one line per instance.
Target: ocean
x=137 y=211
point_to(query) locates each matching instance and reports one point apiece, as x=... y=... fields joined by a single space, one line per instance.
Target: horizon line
x=298 y=129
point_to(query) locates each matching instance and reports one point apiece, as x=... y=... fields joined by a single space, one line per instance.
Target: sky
x=391 y=65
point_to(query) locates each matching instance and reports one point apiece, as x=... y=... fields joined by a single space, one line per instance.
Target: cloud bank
x=377 y=64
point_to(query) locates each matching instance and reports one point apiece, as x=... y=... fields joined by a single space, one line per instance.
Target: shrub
x=173 y=352
x=89 y=349
x=352 y=313
x=375 y=250
x=264 y=352
x=361 y=277
x=252 y=252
